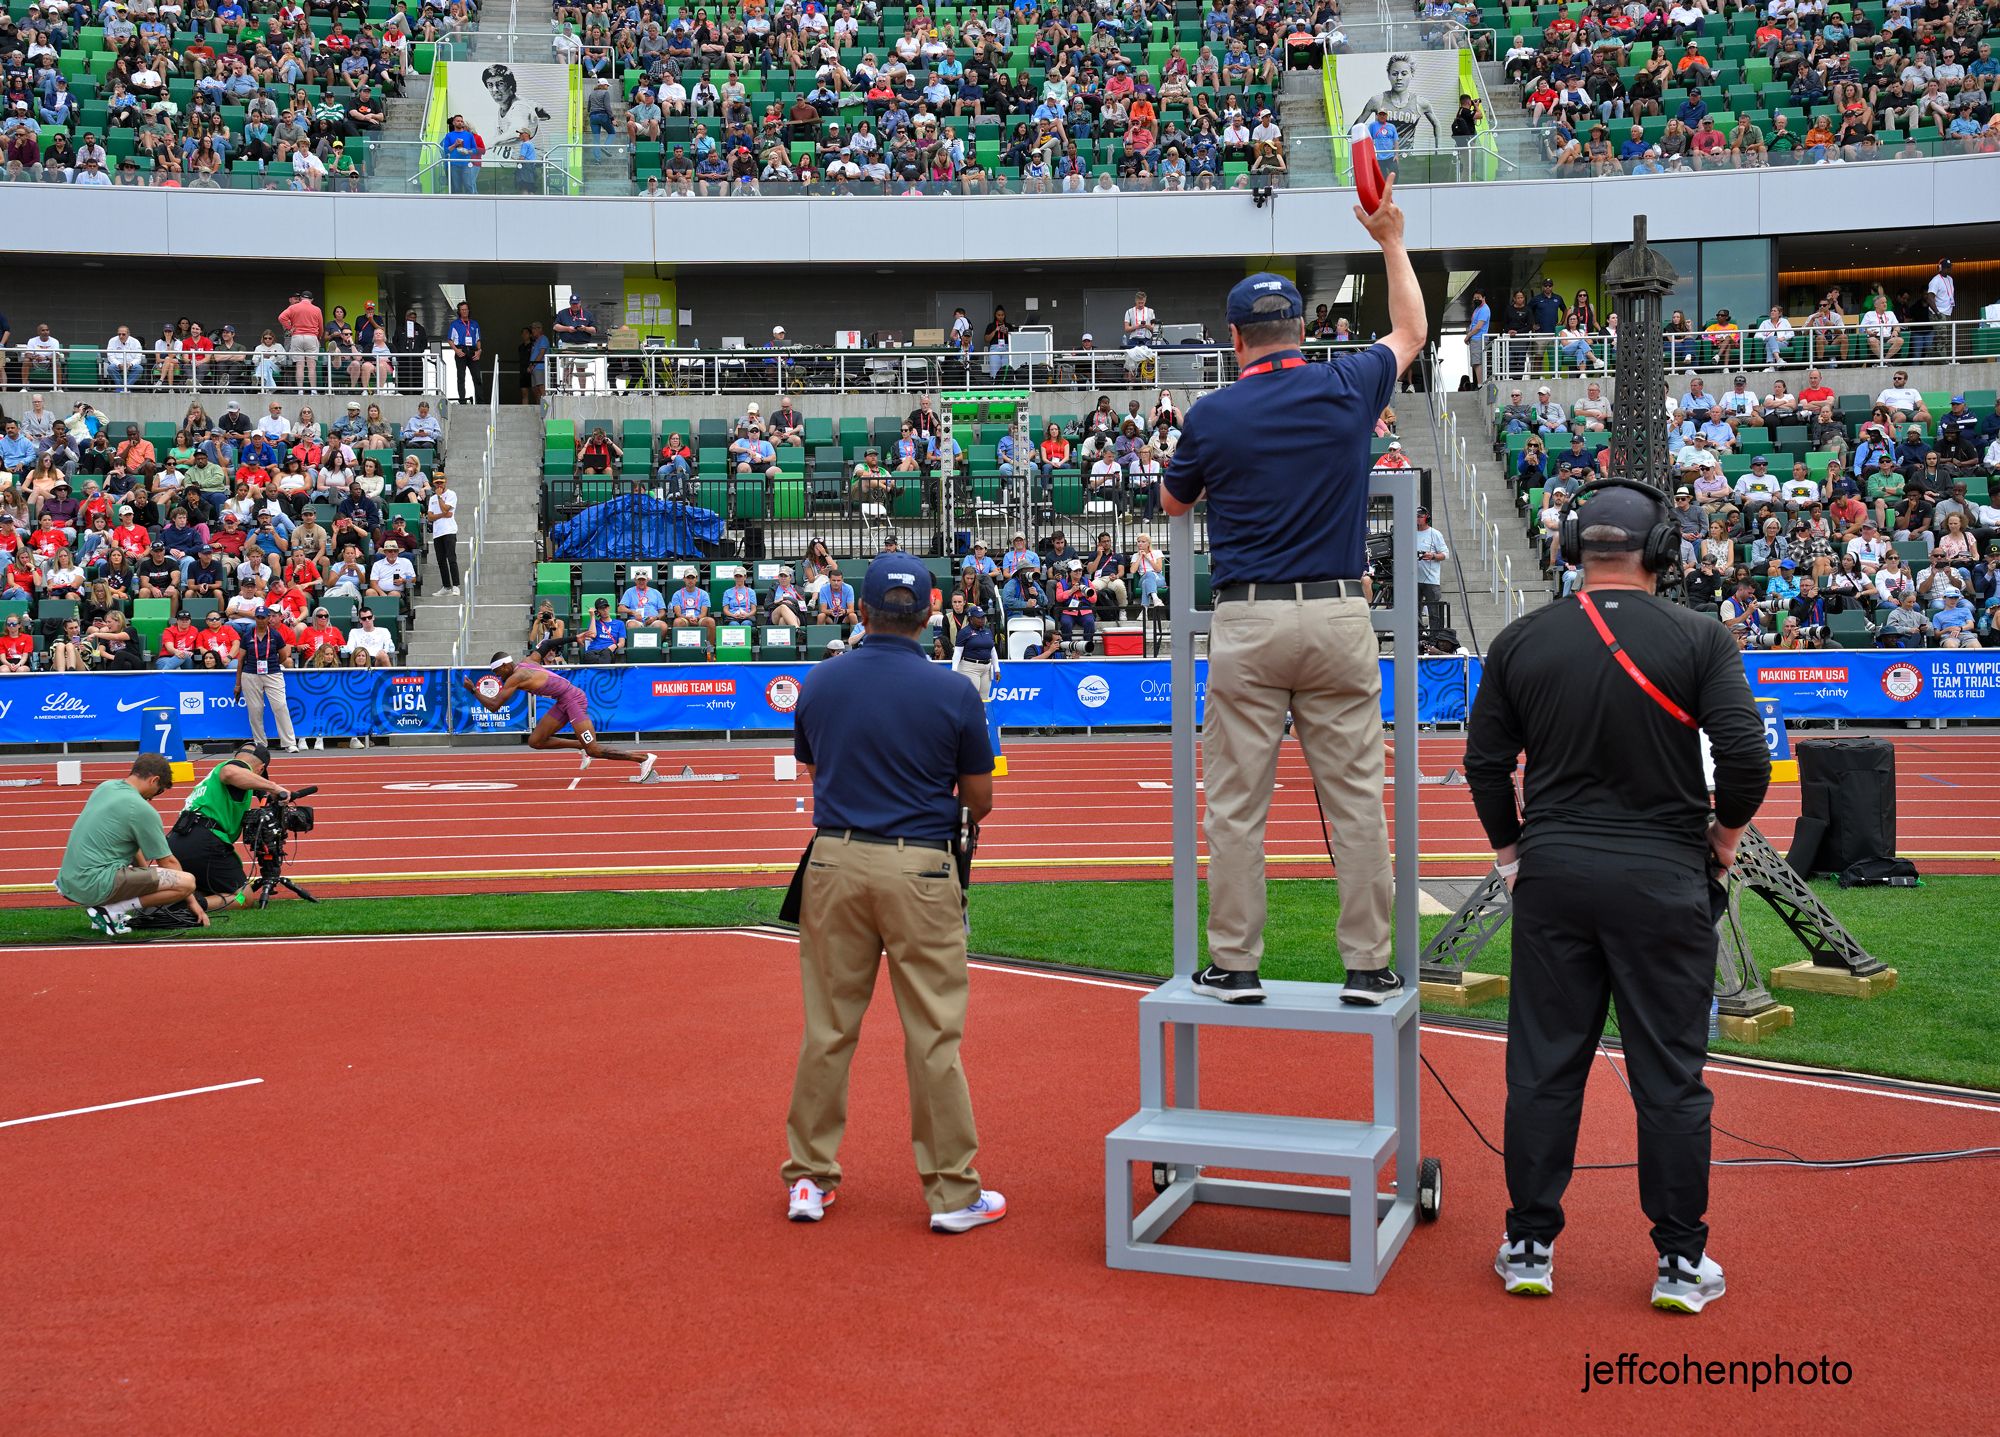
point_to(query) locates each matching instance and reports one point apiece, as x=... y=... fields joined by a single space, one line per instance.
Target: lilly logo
x=1093 y=692
x=65 y=706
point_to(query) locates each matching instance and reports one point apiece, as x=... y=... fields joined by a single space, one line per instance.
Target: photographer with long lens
x=205 y=835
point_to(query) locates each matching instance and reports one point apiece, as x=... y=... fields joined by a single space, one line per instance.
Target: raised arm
x=1408 y=325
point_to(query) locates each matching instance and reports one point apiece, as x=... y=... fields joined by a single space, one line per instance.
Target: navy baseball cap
x=973 y=611
x=890 y=573
x=1249 y=301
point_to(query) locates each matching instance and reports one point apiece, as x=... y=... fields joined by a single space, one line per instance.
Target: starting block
x=1174 y=1135
x=160 y=732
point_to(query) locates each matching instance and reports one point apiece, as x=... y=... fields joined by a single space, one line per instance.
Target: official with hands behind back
x=1615 y=861
x=1282 y=456
x=895 y=746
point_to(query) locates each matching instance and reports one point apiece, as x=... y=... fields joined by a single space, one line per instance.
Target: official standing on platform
x=1616 y=862
x=976 y=656
x=260 y=675
x=1283 y=458
x=895 y=746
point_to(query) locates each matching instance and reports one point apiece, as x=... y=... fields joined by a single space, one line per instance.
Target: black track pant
x=1591 y=926
x=446 y=546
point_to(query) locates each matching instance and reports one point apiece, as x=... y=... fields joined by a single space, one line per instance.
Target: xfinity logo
x=5 y=705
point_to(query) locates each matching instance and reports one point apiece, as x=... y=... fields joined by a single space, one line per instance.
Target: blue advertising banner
x=52 y=709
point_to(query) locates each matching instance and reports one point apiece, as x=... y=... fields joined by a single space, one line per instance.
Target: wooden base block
x=183 y=771
x=1809 y=977
x=1477 y=988
x=1754 y=1028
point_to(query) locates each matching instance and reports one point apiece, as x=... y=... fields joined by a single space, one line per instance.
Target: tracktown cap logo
x=1093 y=692
x=782 y=693
x=1902 y=682
x=901 y=579
x=1270 y=284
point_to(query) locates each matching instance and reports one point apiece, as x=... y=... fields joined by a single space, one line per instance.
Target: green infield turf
x=1938 y=1025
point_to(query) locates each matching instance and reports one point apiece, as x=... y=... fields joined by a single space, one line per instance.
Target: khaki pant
x=257 y=688
x=981 y=676
x=1317 y=658
x=860 y=899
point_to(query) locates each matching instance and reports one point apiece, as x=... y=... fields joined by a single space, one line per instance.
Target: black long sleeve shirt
x=1607 y=766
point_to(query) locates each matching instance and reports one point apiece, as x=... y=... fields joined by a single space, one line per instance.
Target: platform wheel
x=1430 y=1189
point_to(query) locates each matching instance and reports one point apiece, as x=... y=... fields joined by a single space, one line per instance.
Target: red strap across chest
x=1625 y=662
x=1265 y=366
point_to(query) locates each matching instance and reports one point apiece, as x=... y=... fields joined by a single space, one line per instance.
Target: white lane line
x=787 y=938
x=573 y=783
x=131 y=1102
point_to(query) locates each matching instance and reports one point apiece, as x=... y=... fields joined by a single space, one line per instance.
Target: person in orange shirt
x=1393 y=457
x=1726 y=339
x=137 y=455
x=304 y=326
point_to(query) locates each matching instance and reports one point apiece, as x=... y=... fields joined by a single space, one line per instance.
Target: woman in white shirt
x=306 y=428
x=240 y=504
x=266 y=359
x=371 y=478
x=1149 y=571
x=1145 y=478
x=441 y=509
x=333 y=477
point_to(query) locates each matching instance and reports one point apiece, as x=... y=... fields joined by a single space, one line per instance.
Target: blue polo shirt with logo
x=896 y=776
x=1284 y=458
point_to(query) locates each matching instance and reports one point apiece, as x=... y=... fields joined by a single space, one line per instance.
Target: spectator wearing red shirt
x=24 y=575
x=1815 y=391
x=303 y=571
x=217 y=643
x=295 y=603
x=319 y=643
x=48 y=541
x=178 y=641
x=96 y=504
x=130 y=537
x=17 y=646
x=229 y=539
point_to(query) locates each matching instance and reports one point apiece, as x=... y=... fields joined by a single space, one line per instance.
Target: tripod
x=271 y=875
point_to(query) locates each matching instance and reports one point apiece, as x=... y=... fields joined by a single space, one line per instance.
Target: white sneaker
x=646 y=774
x=1681 y=1288
x=585 y=760
x=454 y=589
x=1526 y=1267
x=990 y=1207
x=808 y=1201
x=319 y=741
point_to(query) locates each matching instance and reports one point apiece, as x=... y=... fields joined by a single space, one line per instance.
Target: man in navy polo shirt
x=1282 y=456
x=879 y=878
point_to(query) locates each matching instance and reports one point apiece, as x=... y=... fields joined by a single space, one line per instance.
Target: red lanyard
x=1265 y=366
x=1651 y=689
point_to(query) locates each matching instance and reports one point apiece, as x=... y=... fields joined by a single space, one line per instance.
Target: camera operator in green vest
x=204 y=837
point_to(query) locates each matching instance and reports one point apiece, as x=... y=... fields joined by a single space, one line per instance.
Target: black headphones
x=1659 y=551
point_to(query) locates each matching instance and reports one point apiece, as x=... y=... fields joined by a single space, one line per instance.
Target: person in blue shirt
x=901 y=766
x=641 y=604
x=1478 y=329
x=739 y=600
x=979 y=560
x=691 y=608
x=460 y=148
x=1383 y=133
x=836 y=601
x=604 y=640
x=465 y=349
x=1692 y=110
x=1282 y=459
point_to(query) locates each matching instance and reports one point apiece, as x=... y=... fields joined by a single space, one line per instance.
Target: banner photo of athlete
x=505 y=97
x=1419 y=89
x=48 y=710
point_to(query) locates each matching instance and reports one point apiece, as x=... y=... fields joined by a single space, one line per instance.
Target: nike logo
x=125 y=707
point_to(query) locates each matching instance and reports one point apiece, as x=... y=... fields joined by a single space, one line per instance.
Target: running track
x=1067 y=810
x=496 y=1184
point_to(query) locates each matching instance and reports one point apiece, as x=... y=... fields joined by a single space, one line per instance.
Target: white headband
x=503 y=659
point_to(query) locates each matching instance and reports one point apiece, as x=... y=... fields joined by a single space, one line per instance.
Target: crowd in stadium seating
x=859 y=98
x=1653 y=88
x=124 y=546
x=136 y=92
x=1050 y=598
x=1809 y=519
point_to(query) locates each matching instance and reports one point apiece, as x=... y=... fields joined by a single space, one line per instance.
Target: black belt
x=190 y=820
x=862 y=835
x=1320 y=589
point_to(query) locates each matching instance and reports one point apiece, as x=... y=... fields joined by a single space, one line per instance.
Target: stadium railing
x=1964 y=341
x=86 y=368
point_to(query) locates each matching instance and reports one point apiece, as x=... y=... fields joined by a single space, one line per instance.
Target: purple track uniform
x=566 y=696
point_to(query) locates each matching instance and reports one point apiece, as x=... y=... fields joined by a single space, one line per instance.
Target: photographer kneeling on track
x=204 y=837
x=117 y=860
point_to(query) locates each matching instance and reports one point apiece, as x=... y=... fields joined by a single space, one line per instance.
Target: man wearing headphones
x=1615 y=861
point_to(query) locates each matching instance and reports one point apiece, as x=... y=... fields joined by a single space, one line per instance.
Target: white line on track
x=787 y=939
x=131 y=1102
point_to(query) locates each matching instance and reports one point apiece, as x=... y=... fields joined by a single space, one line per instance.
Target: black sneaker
x=1230 y=987
x=1370 y=985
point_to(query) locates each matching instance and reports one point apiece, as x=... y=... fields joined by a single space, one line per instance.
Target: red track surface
x=503 y=1185
x=551 y=828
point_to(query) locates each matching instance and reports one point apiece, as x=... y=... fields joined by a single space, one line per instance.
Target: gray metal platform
x=1172 y=1135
